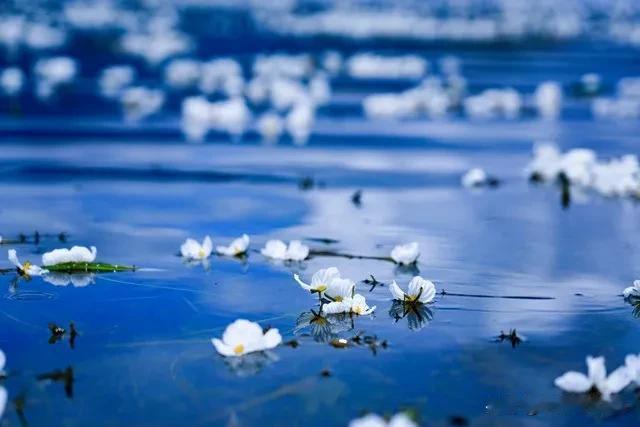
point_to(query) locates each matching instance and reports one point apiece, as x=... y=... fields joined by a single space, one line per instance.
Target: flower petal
x=222 y=348
x=396 y=292
x=272 y=339
x=301 y=283
x=597 y=370
x=618 y=380
x=13 y=258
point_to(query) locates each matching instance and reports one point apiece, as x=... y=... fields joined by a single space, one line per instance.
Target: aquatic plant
x=354 y=305
x=419 y=290
x=192 y=250
x=26 y=269
x=406 y=254
x=243 y=337
x=596 y=379
x=278 y=250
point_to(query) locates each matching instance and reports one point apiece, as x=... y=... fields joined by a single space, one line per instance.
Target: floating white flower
x=243 y=337
x=576 y=382
x=356 y=305
x=75 y=254
x=327 y=282
x=192 y=250
x=632 y=362
x=632 y=291
x=27 y=268
x=420 y=290
x=406 y=254
x=237 y=247
x=139 y=102
x=277 y=249
x=373 y=420
x=548 y=99
x=475 y=177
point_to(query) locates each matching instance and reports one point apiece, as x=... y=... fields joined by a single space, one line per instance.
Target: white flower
x=327 y=282
x=576 y=382
x=270 y=126
x=474 y=178
x=237 y=247
x=115 y=78
x=3 y=362
x=632 y=291
x=406 y=254
x=632 y=362
x=27 y=268
x=420 y=290
x=75 y=254
x=356 y=305
x=242 y=337
x=277 y=249
x=373 y=420
x=193 y=250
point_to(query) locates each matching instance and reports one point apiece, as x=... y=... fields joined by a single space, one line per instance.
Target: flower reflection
x=252 y=363
x=64 y=279
x=323 y=327
x=411 y=269
x=417 y=315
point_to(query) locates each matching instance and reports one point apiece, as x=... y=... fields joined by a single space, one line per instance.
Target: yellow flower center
x=201 y=253
x=26 y=266
x=357 y=309
x=239 y=349
x=321 y=288
x=338 y=299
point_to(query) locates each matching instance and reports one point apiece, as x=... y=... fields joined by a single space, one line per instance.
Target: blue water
x=513 y=255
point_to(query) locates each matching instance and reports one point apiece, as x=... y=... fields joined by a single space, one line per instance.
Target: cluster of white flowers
x=597 y=378
x=615 y=177
x=338 y=292
x=77 y=254
x=192 y=250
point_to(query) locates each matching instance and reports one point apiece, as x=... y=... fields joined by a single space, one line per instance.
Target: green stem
x=88 y=267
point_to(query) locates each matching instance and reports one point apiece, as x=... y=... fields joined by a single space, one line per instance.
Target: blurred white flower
x=114 y=79
x=270 y=127
x=277 y=249
x=420 y=290
x=75 y=254
x=192 y=250
x=53 y=72
x=548 y=99
x=373 y=420
x=11 y=81
x=299 y=122
x=576 y=382
x=140 y=102
x=632 y=291
x=243 y=337
x=475 y=177
x=27 y=268
x=355 y=305
x=237 y=247
x=182 y=73
x=406 y=254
